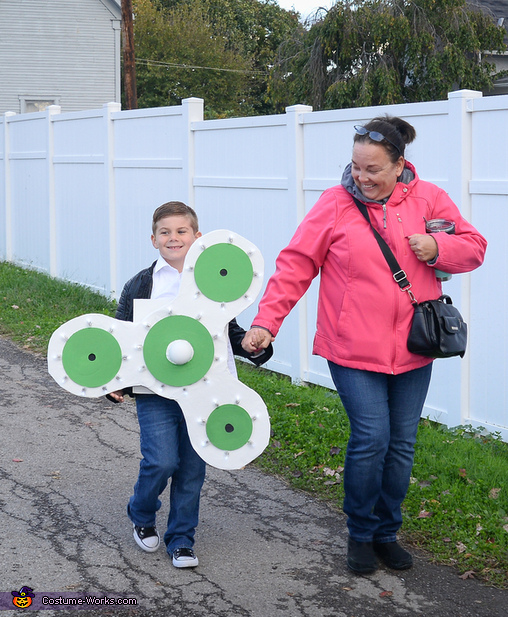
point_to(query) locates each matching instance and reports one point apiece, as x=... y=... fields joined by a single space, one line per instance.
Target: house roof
x=498 y=7
x=114 y=5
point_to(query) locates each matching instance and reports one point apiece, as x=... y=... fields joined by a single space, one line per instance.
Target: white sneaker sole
x=147 y=547
x=185 y=562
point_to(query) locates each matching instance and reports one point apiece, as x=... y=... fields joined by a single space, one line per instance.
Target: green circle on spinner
x=170 y=329
x=223 y=272
x=229 y=427
x=91 y=357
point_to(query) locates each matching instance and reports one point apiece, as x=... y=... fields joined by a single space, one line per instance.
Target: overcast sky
x=304 y=7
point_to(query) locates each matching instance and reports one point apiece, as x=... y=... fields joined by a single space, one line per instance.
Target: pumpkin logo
x=23 y=597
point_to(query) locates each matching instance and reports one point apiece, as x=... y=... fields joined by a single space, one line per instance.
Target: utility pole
x=129 y=62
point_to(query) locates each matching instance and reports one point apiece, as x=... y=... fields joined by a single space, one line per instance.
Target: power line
x=191 y=66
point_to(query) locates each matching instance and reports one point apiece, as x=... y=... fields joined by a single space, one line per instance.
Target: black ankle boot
x=361 y=557
x=393 y=555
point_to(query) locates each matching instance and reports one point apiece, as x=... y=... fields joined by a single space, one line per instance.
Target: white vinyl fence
x=77 y=191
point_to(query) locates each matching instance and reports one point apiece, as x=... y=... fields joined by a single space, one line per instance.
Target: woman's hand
x=424 y=246
x=256 y=339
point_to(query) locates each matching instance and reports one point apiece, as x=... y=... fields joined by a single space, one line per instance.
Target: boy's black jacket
x=140 y=286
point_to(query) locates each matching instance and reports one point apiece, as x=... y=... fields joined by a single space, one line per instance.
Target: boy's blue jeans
x=383 y=411
x=167 y=453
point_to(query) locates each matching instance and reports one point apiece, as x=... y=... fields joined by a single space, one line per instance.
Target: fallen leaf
x=292 y=404
x=299 y=454
x=424 y=514
x=15 y=306
x=494 y=493
x=461 y=548
x=334 y=450
x=386 y=594
x=297 y=473
x=505 y=527
x=17 y=460
x=466 y=575
x=462 y=473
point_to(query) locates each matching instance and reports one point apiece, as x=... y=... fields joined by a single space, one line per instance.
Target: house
x=59 y=52
x=498 y=9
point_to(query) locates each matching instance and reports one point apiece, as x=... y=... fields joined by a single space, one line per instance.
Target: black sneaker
x=393 y=555
x=361 y=557
x=146 y=538
x=184 y=558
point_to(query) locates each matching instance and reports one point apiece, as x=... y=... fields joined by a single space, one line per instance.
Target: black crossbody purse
x=437 y=329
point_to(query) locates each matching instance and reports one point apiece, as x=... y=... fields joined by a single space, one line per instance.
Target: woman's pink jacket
x=363 y=317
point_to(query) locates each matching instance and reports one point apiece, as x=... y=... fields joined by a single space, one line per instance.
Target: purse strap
x=399 y=276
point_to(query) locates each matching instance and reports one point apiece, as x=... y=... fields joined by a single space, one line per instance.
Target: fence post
x=460 y=147
x=7 y=185
x=50 y=152
x=296 y=195
x=192 y=111
x=109 y=170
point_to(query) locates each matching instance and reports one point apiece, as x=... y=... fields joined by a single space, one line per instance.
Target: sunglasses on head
x=375 y=136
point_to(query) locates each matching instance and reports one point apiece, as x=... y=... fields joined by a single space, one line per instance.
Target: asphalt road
x=67 y=469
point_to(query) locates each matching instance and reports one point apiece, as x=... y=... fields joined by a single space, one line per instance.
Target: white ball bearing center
x=179 y=352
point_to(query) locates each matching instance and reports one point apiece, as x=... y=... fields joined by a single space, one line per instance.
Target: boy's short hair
x=175 y=208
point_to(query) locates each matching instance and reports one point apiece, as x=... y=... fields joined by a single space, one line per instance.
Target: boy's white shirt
x=166 y=284
x=166 y=280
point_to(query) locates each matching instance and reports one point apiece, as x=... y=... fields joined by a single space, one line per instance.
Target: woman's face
x=373 y=171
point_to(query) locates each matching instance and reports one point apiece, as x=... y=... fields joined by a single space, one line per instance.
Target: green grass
x=34 y=305
x=457 y=504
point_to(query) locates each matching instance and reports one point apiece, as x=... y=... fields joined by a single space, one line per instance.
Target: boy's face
x=173 y=238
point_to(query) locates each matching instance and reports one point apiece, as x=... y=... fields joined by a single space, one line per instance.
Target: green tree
x=256 y=28
x=177 y=56
x=176 y=39
x=377 y=52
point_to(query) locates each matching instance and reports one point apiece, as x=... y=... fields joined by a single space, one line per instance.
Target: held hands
x=423 y=246
x=256 y=339
x=117 y=395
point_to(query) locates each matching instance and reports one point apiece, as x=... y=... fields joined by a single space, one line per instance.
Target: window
x=31 y=104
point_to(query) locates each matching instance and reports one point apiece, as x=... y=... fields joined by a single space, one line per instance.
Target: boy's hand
x=117 y=396
x=256 y=339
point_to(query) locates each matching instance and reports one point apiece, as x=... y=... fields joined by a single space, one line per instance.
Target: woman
x=364 y=320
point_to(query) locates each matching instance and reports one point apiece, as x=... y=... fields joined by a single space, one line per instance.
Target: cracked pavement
x=67 y=469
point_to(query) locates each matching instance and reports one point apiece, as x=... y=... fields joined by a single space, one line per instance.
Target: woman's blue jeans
x=383 y=411
x=167 y=453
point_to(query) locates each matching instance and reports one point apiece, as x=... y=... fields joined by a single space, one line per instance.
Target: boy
x=164 y=441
